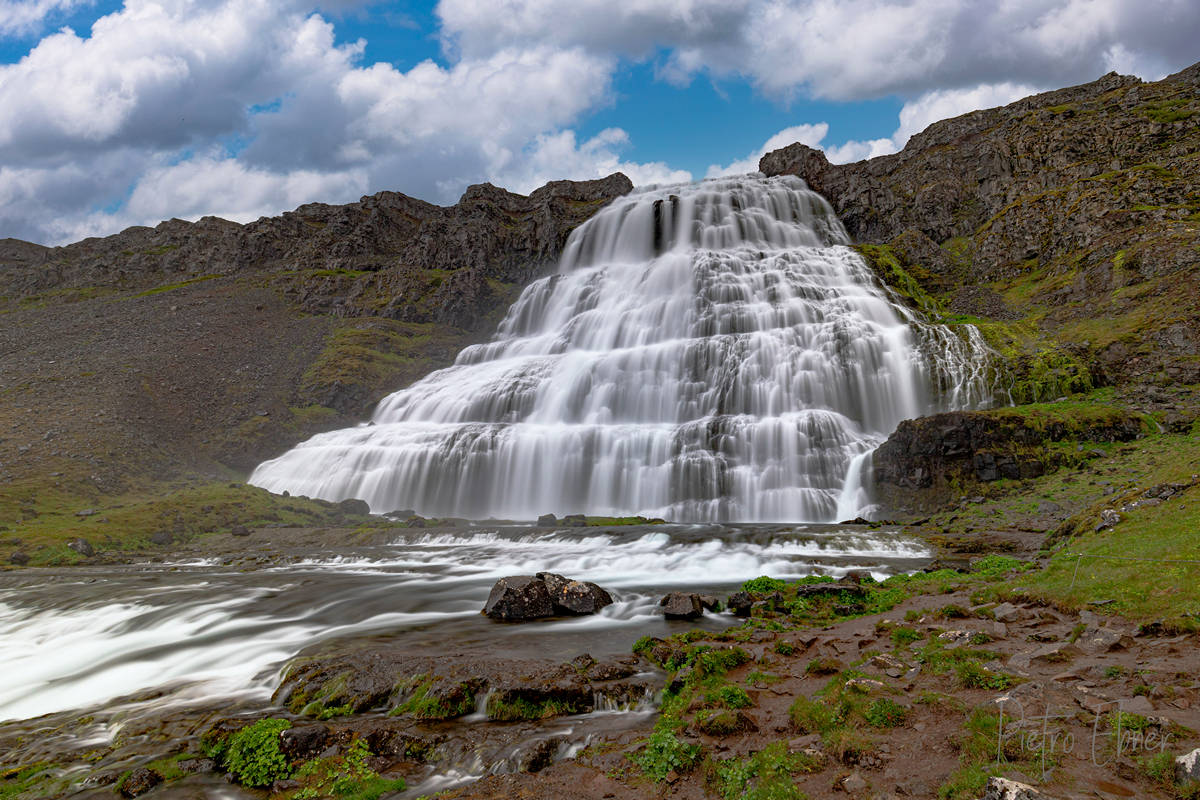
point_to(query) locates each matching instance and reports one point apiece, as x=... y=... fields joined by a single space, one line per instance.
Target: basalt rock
x=1083 y=196
x=682 y=605
x=519 y=598
x=573 y=597
x=925 y=457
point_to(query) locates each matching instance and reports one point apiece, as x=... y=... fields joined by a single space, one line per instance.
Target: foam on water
x=203 y=631
x=710 y=351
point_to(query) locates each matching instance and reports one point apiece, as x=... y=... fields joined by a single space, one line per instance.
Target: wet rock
x=540 y=755
x=740 y=603
x=710 y=602
x=191 y=765
x=303 y=743
x=1187 y=767
x=682 y=605
x=574 y=597
x=138 y=782
x=19 y=558
x=401 y=513
x=547 y=521
x=1004 y=789
x=354 y=507
x=575 y=521
x=83 y=547
x=519 y=598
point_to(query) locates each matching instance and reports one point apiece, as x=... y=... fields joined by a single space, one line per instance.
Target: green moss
x=519 y=708
x=345 y=776
x=26 y=782
x=885 y=713
x=908 y=283
x=1167 y=111
x=424 y=704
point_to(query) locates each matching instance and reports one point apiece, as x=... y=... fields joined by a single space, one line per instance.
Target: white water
x=710 y=351
x=201 y=631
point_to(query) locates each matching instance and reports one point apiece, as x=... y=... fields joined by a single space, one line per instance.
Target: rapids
x=705 y=352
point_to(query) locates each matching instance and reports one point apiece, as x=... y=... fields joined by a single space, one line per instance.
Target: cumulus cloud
x=24 y=17
x=558 y=156
x=851 y=49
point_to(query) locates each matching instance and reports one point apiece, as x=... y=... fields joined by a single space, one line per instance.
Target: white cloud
x=849 y=49
x=558 y=156
x=23 y=17
x=810 y=135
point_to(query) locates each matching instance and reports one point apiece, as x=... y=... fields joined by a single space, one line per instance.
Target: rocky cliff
x=198 y=349
x=1066 y=227
x=1066 y=222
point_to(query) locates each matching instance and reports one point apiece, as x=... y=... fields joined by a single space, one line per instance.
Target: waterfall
x=705 y=352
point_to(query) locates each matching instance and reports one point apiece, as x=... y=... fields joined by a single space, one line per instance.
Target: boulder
x=19 y=558
x=162 y=538
x=575 y=521
x=239 y=530
x=303 y=742
x=1007 y=612
x=519 y=598
x=354 y=507
x=682 y=605
x=1187 y=767
x=1004 y=789
x=573 y=597
x=547 y=521
x=138 y=782
x=83 y=547
x=740 y=603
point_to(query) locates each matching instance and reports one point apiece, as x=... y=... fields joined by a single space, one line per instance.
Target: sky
x=126 y=113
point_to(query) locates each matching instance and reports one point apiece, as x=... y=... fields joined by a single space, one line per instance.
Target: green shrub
x=785 y=648
x=972 y=676
x=665 y=753
x=731 y=696
x=253 y=756
x=763 y=585
x=765 y=775
x=903 y=636
x=885 y=713
x=823 y=666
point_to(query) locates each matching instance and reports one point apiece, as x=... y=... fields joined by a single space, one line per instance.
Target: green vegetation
x=768 y=774
x=907 y=281
x=19 y=783
x=885 y=713
x=252 y=754
x=172 y=286
x=346 y=776
x=665 y=753
x=46 y=513
x=508 y=710
x=425 y=704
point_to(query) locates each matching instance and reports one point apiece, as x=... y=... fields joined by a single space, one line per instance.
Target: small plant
x=730 y=696
x=823 y=666
x=1159 y=767
x=763 y=585
x=785 y=648
x=997 y=566
x=903 y=636
x=912 y=615
x=346 y=776
x=953 y=611
x=812 y=716
x=252 y=755
x=973 y=676
x=1114 y=672
x=765 y=775
x=665 y=753
x=885 y=713
x=1076 y=632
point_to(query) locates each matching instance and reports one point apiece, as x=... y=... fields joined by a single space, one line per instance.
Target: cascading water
x=711 y=351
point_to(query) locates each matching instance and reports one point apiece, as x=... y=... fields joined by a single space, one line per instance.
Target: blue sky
x=132 y=111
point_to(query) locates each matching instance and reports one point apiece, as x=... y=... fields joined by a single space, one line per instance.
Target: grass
x=519 y=708
x=172 y=286
x=768 y=774
x=44 y=514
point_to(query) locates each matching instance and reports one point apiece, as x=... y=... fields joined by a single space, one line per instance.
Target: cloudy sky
x=117 y=114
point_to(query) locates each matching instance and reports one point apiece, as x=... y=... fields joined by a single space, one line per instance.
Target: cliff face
x=194 y=348
x=1076 y=212
x=1066 y=227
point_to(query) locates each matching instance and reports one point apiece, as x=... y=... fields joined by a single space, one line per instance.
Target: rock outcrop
x=928 y=459
x=524 y=597
x=1067 y=208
